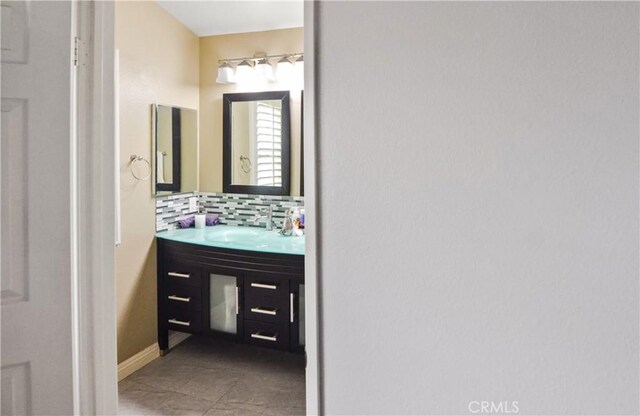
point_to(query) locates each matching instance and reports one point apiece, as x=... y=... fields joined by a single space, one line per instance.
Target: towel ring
x=136 y=158
x=242 y=165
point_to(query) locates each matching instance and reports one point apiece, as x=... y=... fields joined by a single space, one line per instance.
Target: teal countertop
x=238 y=238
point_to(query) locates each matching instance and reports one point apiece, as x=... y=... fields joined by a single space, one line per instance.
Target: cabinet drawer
x=259 y=307
x=183 y=319
x=183 y=296
x=258 y=286
x=267 y=335
x=182 y=274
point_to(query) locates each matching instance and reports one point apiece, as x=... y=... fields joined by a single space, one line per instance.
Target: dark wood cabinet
x=243 y=296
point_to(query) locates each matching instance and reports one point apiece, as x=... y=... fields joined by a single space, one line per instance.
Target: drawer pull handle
x=258 y=335
x=176 y=322
x=179 y=298
x=237 y=300
x=264 y=286
x=182 y=275
x=291 y=307
x=265 y=311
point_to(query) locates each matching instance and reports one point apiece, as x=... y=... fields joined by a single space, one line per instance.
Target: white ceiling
x=206 y=18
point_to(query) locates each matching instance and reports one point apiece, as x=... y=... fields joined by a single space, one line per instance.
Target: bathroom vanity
x=244 y=284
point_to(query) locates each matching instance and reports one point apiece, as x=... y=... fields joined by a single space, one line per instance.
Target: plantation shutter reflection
x=268 y=144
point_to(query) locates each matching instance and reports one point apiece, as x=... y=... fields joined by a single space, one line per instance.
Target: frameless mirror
x=256 y=143
x=301 y=143
x=175 y=156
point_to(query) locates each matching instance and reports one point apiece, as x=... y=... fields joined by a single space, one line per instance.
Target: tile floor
x=210 y=377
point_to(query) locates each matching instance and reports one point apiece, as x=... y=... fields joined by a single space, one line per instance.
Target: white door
x=35 y=187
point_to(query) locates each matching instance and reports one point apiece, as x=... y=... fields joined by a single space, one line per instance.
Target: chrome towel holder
x=135 y=158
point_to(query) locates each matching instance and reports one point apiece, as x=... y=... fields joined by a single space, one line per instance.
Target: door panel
x=35 y=197
x=14 y=182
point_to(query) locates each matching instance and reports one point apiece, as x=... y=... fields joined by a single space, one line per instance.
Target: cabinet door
x=223 y=312
x=297 y=319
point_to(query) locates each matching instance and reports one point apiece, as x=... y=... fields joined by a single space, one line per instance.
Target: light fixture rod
x=258 y=58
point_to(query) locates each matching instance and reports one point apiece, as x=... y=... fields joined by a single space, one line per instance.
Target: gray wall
x=478 y=168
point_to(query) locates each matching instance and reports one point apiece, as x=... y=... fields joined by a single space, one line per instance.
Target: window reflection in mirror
x=257 y=143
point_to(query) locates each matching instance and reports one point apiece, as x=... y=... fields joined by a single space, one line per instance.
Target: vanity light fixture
x=264 y=69
x=259 y=68
x=284 y=69
x=244 y=71
x=226 y=74
x=299 y=67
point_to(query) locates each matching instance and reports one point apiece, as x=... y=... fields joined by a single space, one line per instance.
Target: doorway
x=137 y=256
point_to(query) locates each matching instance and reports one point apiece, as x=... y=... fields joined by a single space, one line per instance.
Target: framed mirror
x=175 y=149
x=256 y=143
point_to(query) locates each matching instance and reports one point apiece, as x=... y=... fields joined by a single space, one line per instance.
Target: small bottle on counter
x=295 y=218
x=201 y=220
x=287 y=224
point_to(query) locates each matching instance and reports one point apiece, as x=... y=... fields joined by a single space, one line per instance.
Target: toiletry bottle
x=287 y=225
x=201 y=220
x=295 y=218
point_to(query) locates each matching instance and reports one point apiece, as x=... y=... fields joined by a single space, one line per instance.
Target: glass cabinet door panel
x=301 y=315
x=223 y=301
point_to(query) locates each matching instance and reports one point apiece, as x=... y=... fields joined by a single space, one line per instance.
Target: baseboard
x=176 y=338
x=135 y=363
x=144 y=357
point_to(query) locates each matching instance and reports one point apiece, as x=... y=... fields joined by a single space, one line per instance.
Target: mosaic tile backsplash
x=240 y=209
x=170 y=209
x=233 y=209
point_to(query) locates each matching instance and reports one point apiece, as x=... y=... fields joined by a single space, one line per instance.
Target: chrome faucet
x=268 y=216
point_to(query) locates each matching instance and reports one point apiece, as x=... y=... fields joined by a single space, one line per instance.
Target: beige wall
x=158 y=64
x=213 y=48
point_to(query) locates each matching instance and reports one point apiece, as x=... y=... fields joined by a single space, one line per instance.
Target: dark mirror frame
x=177 y=157
x=227 y=102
